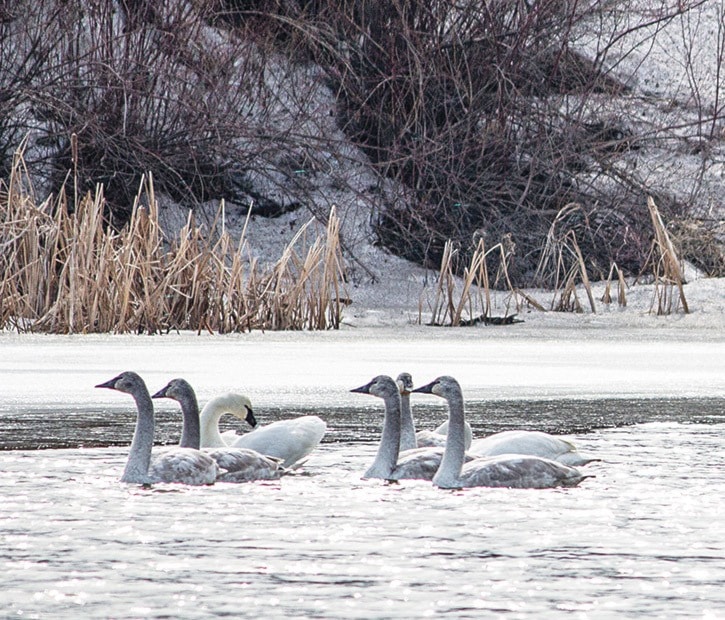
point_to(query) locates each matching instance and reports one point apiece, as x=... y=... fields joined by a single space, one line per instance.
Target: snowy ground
x=612 y=353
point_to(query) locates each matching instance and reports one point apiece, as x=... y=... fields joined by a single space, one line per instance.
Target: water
x=645 y=537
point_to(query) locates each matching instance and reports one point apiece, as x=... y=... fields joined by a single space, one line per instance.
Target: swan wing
x=288 y=440
x=518 y=472
x=229 y=437
x=243 y=465
x=430 y=439
x=184 y=465
x=417 y=464
x=420 y=464
x=533 y=443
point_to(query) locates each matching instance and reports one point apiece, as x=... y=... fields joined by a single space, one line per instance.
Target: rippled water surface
x=643 y=538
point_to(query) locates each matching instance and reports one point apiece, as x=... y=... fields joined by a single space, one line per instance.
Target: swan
x=535 y=443
x=288 y=440
x=505 y=470
x=239 y=464
x=409 y=438
x=183 y=465
x=390 y=463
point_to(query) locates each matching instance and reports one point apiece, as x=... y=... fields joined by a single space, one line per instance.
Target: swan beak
x=363 y=389
x=426 y=389
x=162 y=393
x=110 y=384
x=250 y=419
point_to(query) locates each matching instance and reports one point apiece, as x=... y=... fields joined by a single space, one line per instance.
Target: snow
x=609 y=354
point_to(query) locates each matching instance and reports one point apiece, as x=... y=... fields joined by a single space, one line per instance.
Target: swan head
x=128 y=382
x=405 y=383
x=381 y=386
x=444 y=386
x=236 y=404
x=176 y=389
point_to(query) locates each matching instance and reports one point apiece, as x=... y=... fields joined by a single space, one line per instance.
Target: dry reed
x=665 y=267
x=563 y=257
x=64 y=270
x=469 y=303
x=621 y=287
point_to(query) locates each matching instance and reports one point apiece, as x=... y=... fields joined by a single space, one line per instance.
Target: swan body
x=390 y=463
x=288 y=440
x=182 y=465
x=533 y=443
x=506 y=470
x=236 y=464
x=409 y=438
x=438 y=436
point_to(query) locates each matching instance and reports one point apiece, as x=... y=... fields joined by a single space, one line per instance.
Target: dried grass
x=621 y=287
x=470 y=302
x=563 y=263
x=666 y=268
x=66 y=271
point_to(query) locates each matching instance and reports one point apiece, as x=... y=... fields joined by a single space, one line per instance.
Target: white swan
x=409 y=438
x=535 y=443
x=507 y=470
x=289 y=440
x=238 y=464
x=184 y=465
x=389 y=463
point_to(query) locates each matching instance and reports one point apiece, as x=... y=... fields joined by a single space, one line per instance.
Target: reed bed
x=64 y=270
x=467 y=300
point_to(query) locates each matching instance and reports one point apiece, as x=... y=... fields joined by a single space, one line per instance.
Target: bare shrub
x=144 y=87
x=489 y=118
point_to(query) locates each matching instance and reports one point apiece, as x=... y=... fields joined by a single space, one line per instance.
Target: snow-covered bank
x=404 y=293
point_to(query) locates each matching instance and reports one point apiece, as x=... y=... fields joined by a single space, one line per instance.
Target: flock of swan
x=448 y=456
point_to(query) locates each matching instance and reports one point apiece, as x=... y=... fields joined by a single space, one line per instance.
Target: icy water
x=643 y=538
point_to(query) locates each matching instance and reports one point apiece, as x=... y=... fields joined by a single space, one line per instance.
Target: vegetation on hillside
x=486 y=124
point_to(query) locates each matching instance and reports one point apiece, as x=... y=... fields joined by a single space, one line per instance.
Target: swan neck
x=407 y=425
x=387 y=456
x=210 y=437
x=139 y=456
x=190 y=430
x=454 y=455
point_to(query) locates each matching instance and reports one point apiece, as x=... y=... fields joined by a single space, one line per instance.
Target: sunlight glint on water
x=644 y=538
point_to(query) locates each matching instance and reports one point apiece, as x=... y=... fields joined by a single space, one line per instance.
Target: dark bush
x=486 y=117
x=482 y=119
